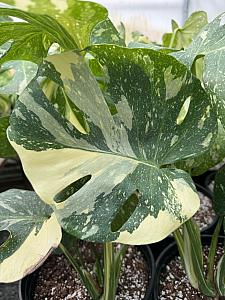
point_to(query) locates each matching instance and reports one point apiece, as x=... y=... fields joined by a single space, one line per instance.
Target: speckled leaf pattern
x=22 y=73
x=214 y=155
x=6 y=149
x=79 y=18
x=34 y=232
x=210 y=43
x=123 y=153
x=106 y=33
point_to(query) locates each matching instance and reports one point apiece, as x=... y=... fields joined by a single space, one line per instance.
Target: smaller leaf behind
x=6 y=150
x=180 y=38
x=34 y=233
x=219 y=192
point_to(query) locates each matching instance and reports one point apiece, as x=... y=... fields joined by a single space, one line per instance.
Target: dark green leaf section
x=210 y=44
x=219 y=193
x=21 y=212
x=132 y=78
x=123 y=152
x=6 y=150
x=214 y=155
x=181 y=38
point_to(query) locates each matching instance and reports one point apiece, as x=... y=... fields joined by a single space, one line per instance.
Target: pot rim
x=148 y=256
x=167 y=254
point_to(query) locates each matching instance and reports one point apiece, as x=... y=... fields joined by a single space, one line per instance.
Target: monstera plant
x=103 y=159
x=130 y=191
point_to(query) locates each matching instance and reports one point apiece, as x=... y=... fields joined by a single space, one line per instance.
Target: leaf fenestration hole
x=4 y=236
x=125 y=211
x=71 y=189
x=183 y=112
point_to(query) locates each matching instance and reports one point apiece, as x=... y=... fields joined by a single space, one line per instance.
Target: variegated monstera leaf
x=129 y=193
x=34 y=232
x=210 y=45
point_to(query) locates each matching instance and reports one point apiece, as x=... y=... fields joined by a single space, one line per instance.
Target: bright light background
x=153 y=17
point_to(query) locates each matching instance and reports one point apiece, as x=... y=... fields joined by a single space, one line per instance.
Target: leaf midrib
x=149 y=164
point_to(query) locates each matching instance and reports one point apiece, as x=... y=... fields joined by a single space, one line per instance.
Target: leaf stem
x=85 y=276
x=109 y=273
x=212 y=251
x=173 y=37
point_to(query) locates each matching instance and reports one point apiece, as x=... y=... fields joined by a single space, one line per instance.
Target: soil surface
x=174 y=284
x=205 y=215
x=57 y=280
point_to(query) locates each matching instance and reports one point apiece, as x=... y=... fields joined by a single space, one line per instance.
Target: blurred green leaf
x=6 y=150
x=180 y=38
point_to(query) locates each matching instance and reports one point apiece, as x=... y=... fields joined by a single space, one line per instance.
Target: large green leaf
x=123 y=154
x=219 y=192
x=31 y=40
x=181 y=37
x=6 y=149
x=34 y=232
x=214 y=155
x=210 y=44
x=79 y=18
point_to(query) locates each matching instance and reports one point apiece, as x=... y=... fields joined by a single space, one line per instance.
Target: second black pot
x=167 y=255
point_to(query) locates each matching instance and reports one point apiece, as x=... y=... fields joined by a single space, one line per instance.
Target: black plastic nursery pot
x=209 y=181
x=167 y=255
x=27 y=284
x=200 y=179
x=12 y=175
x=210 y=228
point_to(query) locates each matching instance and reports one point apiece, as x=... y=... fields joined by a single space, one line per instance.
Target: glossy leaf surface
x=34 y=233
x=122 y=153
